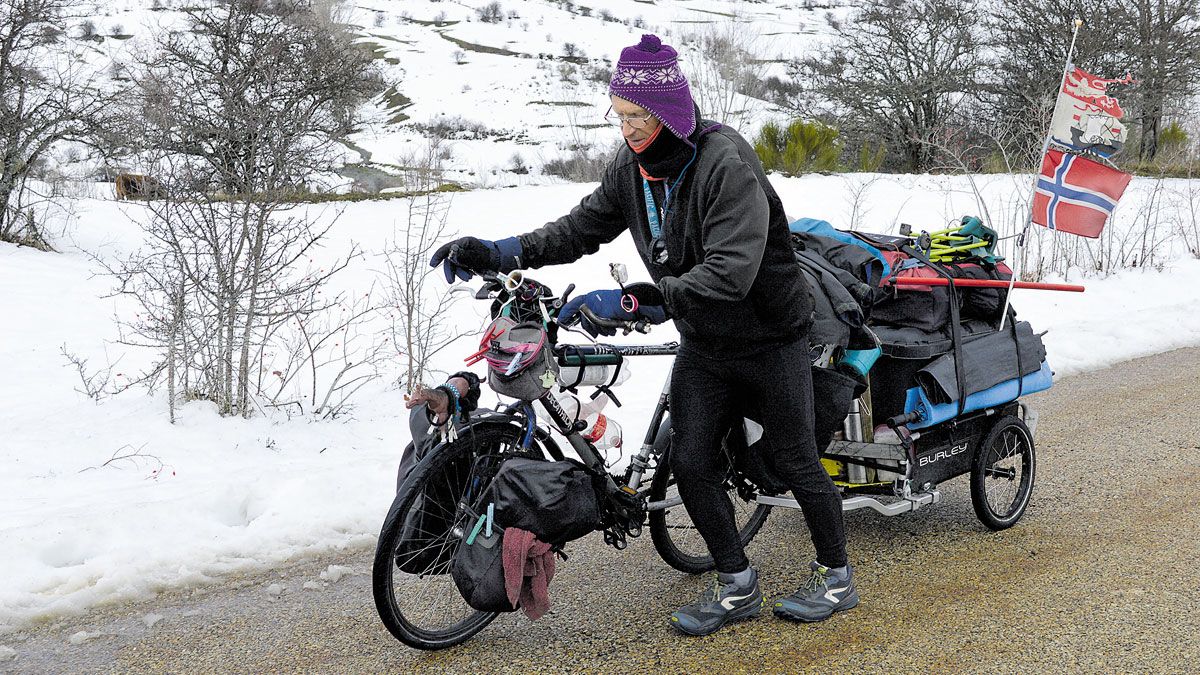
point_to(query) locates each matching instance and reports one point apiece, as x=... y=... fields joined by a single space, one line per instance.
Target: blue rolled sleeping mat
x=1009 y=390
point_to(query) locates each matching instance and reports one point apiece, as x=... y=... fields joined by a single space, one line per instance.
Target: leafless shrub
x=418 y=303
x=137 y=458
x=1187 y=216
x=726 y=78
x=490 y=13
x=454 y=127
x=320 y=359
x=567 y=73
x=96 y=384
x=582 y=165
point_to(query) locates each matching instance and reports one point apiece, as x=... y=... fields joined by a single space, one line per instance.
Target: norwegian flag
x=1075 y=194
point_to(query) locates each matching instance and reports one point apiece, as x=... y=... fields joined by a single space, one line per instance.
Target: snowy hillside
x=517 y=92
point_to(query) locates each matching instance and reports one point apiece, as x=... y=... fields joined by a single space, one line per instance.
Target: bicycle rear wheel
x=674 y=534
x=414 y=593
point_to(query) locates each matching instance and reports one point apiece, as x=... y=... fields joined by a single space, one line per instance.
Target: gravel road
x=1101 y=575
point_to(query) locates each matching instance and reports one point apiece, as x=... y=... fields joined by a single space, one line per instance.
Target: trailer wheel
x=1002 y=473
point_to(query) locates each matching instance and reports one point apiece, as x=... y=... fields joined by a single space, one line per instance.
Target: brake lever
x=562 y=300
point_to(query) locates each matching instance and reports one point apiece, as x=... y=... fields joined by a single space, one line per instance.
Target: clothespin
x=512 y=366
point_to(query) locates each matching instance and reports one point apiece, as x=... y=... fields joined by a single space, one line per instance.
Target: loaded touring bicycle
x=916 y=380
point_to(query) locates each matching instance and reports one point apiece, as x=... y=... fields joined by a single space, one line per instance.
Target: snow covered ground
x=193 y=501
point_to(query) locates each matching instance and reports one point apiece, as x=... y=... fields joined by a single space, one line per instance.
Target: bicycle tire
x=1008 y=439
x=475 y=441
x=666 y=525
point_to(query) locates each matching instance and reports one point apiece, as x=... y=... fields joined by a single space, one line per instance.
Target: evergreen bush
x=801 y=147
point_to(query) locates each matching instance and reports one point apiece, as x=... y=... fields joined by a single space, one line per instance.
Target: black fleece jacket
x=730 y=280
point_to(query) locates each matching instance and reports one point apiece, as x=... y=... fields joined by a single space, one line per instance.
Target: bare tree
x=250 y=101
x=1029 y=41
x=726 y=80
x=256 y=93
x=1162 y=40
x=421 y=320
x=896 y=70
x=46 y=96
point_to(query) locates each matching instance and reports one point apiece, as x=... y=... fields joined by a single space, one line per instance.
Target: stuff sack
x=928 y=307
x=478 y=571
x=520 y=364
x=556 y=501
x=987 y=360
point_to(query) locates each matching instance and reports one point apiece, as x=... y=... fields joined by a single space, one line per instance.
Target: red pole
x=983 y=283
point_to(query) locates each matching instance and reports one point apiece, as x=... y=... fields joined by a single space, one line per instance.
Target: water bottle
x=592 y=375
x=601 y=430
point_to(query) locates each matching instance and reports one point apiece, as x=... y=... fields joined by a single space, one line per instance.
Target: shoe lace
x=815 y=581
x=712 y=593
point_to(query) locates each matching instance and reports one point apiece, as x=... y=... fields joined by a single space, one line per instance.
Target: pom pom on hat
x=650 y=43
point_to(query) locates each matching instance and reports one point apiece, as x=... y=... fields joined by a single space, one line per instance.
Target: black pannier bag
x=432 y=513
x=556 y=501
x=478 y=570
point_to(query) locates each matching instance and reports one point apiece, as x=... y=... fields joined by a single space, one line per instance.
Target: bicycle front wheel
x=674 y=534
x=414 y=593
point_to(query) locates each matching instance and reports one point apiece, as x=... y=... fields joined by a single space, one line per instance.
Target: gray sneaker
x=723 y=601
x=825 y=592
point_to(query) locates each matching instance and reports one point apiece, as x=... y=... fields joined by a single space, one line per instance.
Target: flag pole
x=1045 y=148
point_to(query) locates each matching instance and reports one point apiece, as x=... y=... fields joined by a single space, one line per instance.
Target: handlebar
x=640 y=325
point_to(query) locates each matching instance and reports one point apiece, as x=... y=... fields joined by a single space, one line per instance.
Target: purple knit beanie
x=648 y=74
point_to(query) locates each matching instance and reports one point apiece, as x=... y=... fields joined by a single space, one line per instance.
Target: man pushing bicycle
x=712 y=233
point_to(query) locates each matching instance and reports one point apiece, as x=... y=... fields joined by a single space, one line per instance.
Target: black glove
x=468 y=255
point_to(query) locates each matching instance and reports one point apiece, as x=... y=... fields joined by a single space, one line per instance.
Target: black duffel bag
x=556 y=501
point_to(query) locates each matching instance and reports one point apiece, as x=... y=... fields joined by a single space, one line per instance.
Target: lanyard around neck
x=651 y=211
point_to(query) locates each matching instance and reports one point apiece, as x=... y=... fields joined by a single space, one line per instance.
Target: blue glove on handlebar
x=466 y=256
x=640 y=301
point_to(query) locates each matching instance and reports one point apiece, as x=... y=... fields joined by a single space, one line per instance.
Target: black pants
x=708 y=395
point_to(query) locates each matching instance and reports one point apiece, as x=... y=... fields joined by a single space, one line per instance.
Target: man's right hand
x=466 y=256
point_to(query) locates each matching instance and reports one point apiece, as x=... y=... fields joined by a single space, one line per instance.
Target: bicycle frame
x=603 y=354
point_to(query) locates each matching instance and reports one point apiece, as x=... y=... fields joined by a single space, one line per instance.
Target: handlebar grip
x=605 y=323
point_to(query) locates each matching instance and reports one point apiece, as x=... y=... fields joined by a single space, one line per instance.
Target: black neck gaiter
x=666 y=156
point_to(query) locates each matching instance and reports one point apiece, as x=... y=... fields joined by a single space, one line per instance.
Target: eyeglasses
x=634 y=121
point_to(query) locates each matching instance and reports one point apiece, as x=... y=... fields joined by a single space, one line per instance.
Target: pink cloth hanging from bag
x=528 y=569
